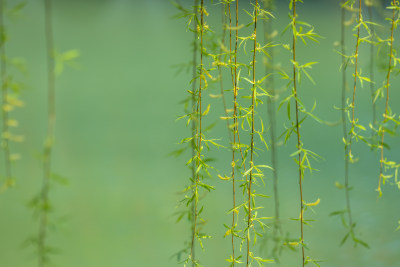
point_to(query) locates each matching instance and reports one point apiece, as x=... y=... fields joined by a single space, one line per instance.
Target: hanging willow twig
x=386 y=114
x=48 y=148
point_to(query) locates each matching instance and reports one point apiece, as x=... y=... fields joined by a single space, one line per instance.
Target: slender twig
x=234 y=128
x=298 y=132
x=344 y=121
x=43 y=219
x=224 y=8
x=193 y=143
x=221 y=83
x=236 y=84
x=371 y=67
x=355 y=84
x=4 y=87
x=199 y=111
x=385 y=117
x=237 y=142
x=236 y=88
x=272 y=121
x=249 y=219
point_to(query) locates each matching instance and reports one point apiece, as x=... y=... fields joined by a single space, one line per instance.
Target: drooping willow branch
x=349 y=110
x=194 y=121
x=227 y=8
x=221 y=83
x=372 y=65
x=344 y=120
x=236 y=92
x=44 y=198
x=385 y=116
x=353 y=122
x=253 y=95
x=199 y=131
x=272 y=122
x=298 y=130
x=235 y=128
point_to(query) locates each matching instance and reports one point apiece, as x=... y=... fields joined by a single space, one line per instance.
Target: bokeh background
x=116 y=126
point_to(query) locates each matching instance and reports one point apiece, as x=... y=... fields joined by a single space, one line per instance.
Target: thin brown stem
x=253 y=95
x=298 y=133
x=385 y=118
x=193 y=143
x=224 y=7
x=44 y=198
x=199 y=129
x=237 y=143
x=371 y=67
x=235 y=95
x=234 y=132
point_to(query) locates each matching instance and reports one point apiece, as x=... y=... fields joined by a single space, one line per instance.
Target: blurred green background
x=116 y=125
